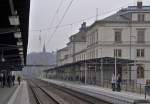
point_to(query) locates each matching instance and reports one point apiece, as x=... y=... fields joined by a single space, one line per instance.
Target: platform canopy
x=96 y=61
x=14 y=26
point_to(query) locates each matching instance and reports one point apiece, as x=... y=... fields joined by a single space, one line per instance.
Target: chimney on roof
x=139 y=4
x=83 y=26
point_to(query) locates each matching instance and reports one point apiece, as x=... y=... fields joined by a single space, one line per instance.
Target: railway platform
x=104 y=93
x=20 y=95
x=6 y=93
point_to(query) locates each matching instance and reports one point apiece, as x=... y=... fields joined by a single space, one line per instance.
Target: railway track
x=59 y=95
x=40 y=95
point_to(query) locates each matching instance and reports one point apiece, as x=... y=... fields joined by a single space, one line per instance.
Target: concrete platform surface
x=6 y=93
x=104 y=93
x=20 y=96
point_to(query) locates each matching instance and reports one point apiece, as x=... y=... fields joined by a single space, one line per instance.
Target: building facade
x=125 y=35
x=74 y=51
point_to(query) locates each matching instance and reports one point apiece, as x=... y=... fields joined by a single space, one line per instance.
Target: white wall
x=79 y=46
x=106 y=44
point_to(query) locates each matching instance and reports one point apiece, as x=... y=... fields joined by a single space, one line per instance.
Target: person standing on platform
x=9 y=80
x=118 y=83
x=3 y=80
x=13 y=80
x=19 y=79
x=113 y=82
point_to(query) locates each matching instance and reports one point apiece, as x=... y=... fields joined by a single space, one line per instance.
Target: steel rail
x=78 y=95
x=45 y=92
x=35 y=95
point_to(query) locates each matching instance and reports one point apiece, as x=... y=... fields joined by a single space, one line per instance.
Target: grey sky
x=42 y=12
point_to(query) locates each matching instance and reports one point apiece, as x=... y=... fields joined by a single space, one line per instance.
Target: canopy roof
x=14 y=24
x=97 y=61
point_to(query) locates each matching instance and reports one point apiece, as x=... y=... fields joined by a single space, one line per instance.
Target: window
x=141 y=17
x=140 y=71
x=140 y=53
x=117 y=53
x=93 y=39
x=90 y=39
x=93 y=54
x=96 y=53
x=96 y=35
x=117 y=35
x=140 y=35
x=65 y=56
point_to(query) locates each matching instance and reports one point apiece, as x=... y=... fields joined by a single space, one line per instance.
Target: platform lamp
x=2 y=57
x=20 y=49
x=14 y=20
x=19 y=43
x=21 y=57
x=17 y=35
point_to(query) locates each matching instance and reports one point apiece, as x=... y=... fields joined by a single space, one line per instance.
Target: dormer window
x=141 y=17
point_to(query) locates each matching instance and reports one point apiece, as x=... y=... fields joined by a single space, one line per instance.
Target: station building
x=119 y=43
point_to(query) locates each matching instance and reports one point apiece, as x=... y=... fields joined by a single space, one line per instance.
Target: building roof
x=78 y=37
x=124 y=15
x=117 y=17
x=135 y=8
x=8 y=43
x=63 y=49
x=81 y=35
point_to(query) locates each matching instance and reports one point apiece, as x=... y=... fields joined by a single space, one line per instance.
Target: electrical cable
x=57 y=10
x=51 y=36
x=79 y=21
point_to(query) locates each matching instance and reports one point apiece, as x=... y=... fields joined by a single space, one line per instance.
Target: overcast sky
x=42 y=13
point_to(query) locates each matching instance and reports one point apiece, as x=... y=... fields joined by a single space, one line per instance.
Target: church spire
x=44 y=48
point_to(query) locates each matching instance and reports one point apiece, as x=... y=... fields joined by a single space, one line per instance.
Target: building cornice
x=121 y=44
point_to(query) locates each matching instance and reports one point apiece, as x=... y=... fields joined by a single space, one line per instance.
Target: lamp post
x=101 y=68
x=130 y=35
x=115 y=54
x=115 y=65
x=134 y=54
x=85 y=75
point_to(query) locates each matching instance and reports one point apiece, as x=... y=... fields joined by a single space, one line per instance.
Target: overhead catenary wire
x=56 y=12
x=58 y=25
x=68 y=7
x=53 y=19
x=65 y=25
x=76 y=22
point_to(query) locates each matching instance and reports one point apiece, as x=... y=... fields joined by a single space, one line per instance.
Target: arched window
x=140 y=71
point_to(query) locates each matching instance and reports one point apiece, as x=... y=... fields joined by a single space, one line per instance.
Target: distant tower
x=44 y=48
